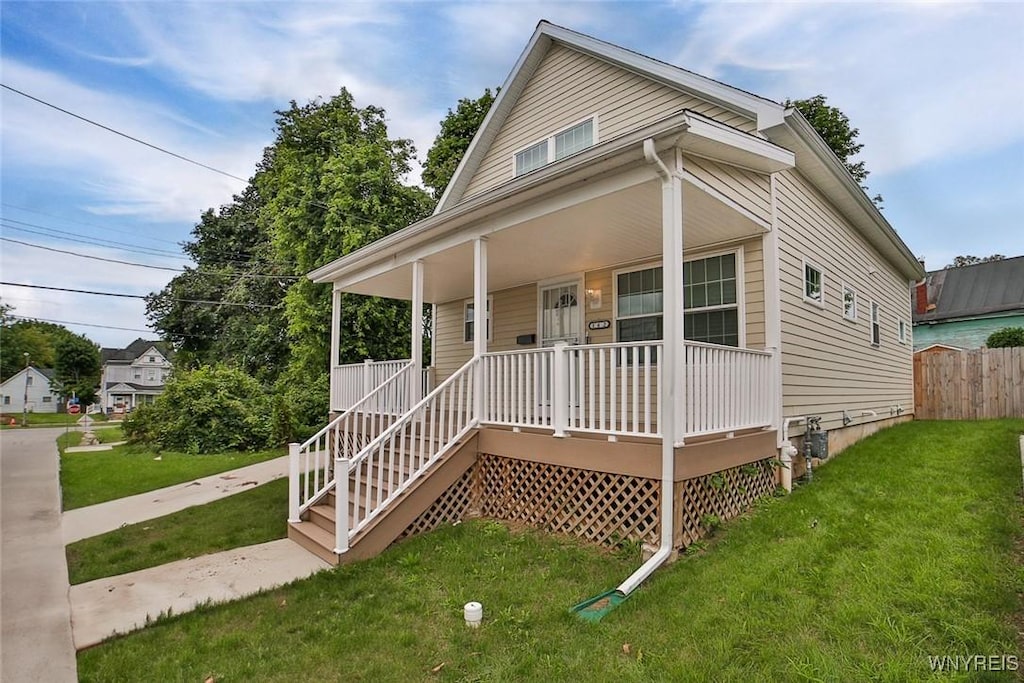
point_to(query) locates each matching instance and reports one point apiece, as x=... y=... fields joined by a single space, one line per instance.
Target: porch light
x=594 y=298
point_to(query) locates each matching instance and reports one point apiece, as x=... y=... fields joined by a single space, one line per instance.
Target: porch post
x=335 y=347
x=416 y=331
x=479 y=320
x=673 y=395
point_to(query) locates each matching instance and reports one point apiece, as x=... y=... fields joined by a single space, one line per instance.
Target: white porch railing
x=401 y=454
x=727 y=389
x=614 y=389
x=350 y=383
x=312 y=468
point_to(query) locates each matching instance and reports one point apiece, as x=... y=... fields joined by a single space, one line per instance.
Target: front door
x=560 y=314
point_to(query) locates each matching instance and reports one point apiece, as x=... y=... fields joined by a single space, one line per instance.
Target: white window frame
x=805 y=264
x=901 y=330
x=490 y=326
x=550 y=141
x=875 y=324
x=850 y=315
x=581 y=294
x=741 y=292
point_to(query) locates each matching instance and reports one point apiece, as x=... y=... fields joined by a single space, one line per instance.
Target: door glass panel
x=560 y=314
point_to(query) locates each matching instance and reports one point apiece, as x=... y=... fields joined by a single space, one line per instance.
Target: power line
x=91 y=225
x=96 y=242
x=137 y=296
x=146 y=265
x=68 y=322
x=124 y=135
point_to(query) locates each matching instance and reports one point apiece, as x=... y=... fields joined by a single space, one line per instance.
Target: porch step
x=316 y=531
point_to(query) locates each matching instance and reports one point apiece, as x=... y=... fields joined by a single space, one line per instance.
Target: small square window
x=28 y=380
x=7 y=400
x=849 y=303
x=814 y=284
x=47 y=399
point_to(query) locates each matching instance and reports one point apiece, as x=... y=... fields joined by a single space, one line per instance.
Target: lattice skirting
x=723 y=494
x=454 y=505
x=599 y=507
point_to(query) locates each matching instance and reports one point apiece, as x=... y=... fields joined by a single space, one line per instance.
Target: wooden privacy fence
x=969 y=385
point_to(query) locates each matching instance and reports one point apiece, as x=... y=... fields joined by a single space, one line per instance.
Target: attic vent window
x=562 y=144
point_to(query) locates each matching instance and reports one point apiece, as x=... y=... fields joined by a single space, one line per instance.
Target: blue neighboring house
x=961 y=307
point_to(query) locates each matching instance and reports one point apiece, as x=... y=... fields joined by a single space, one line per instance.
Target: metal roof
x=976 y=290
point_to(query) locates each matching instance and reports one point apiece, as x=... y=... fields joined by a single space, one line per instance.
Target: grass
x=90 y=478
x=45 y=419
x=246 y=518
x=104 y=434
x=903 y=547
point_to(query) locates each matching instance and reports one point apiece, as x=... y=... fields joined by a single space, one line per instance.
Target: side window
x=849 y=303
x=876 y=325
x=562 y=144
x=814 y=284
x=469 y=320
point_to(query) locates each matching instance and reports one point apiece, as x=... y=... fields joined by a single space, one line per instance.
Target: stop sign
x=73 y=408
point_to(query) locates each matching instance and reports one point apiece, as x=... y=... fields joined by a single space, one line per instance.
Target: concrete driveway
x=35 y=613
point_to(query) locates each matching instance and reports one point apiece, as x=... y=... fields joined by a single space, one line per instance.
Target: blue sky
x=934 y=89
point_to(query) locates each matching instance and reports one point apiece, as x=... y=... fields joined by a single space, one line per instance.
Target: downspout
x=670 y=181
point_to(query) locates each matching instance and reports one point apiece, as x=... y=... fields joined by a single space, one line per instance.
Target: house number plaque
x=599 y=324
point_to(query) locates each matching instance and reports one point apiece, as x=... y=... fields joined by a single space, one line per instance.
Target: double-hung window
x=469 y=320
x=849 y=303
x=710 y=300
x=814 y=284
x=876 y=325
x=562 y=144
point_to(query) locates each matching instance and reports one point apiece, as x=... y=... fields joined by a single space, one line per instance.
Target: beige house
x=643 y=281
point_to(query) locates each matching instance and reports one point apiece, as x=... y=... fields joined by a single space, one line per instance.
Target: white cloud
x=920 y=81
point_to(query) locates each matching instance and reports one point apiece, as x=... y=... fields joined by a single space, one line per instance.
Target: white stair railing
x=402 y=453
x=311 y=465
x=350 y=383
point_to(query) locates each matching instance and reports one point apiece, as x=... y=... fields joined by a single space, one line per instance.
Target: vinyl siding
x=828 y=363
x=567 y=87
x=514 y=313
x=750 y=190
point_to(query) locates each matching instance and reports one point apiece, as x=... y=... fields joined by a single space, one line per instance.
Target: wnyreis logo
x=951 y=663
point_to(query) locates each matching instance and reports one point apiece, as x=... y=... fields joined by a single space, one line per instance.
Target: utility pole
x=24 y=405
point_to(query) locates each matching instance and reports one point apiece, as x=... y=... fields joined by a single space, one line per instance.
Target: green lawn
x=902 y=548
x=246 y=518
x=45 y=419
x=90 y=478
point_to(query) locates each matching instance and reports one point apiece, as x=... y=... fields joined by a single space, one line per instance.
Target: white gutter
x=668 y=456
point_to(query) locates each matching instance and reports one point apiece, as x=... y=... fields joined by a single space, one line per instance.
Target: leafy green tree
x=968 y=260
x=18 y=337
x=331 y=183
x=834 y=128
x=1005 y=338
x=457 y=131
x=77 y=368
x=234 y=257
x=210 y=410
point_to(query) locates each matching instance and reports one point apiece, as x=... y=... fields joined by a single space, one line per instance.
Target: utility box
x=819 y=445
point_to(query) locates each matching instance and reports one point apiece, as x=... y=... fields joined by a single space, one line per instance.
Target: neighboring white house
x=36 y=383
x=134 y=375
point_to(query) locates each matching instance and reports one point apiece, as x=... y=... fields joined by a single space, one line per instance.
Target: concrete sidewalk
x=102 y=608
x=98 y=519
x=35 y=642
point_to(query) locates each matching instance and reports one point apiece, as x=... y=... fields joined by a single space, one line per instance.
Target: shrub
x=209 y=410
x=1006 y=337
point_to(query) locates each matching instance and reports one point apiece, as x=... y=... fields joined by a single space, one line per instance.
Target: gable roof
x=764 y=111
x=47 y=373
x=133 y=351
x=783 y=126
x=976 y=290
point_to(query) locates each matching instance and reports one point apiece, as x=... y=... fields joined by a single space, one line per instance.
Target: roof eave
x=852 y=199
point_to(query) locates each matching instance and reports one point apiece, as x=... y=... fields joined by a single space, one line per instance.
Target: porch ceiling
x=614 y=228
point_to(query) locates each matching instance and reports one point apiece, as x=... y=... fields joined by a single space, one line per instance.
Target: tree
x=1005 y=338
x=233 y=256
x=968 y=260
x=834 y=128
x=18 y=337
x=457 y=131
x=77 y=368
x=331 y=183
